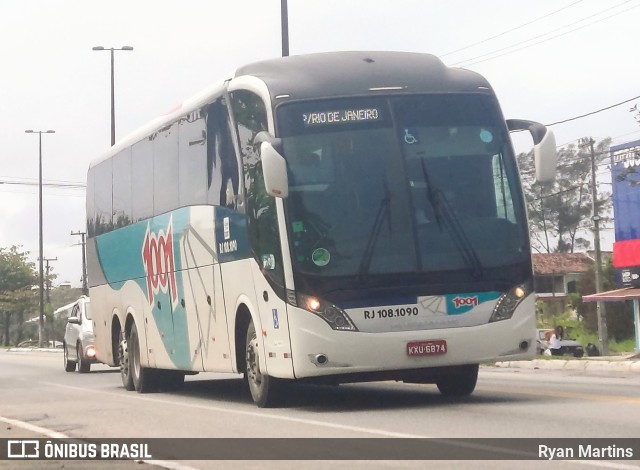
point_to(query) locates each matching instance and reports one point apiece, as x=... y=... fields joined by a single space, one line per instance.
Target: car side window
x=76 y=312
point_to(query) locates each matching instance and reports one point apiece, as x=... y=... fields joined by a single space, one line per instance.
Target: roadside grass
x=575 y=329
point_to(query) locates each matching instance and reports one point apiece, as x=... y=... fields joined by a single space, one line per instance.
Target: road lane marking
x=33 y=428
x=253 y=414
x=58 y=435
x=326 y=424
x=559 y=394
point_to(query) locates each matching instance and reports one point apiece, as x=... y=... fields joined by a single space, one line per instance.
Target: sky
x=548 y=61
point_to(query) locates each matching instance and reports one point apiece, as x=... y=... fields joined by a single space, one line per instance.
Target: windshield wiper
x=446 y=216
x=367 y=255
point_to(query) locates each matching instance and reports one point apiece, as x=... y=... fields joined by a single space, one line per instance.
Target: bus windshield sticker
x=269 y=262
x=486 y=136
x=320 y=257
x=297 y=226
x=342 y=116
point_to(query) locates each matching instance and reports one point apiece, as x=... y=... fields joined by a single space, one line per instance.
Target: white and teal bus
x=326 y=218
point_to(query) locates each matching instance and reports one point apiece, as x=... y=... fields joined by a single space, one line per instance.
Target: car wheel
x=69 y=366
x=83 y=365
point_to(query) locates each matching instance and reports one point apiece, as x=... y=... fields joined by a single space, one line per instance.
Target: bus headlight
x=509 y=301
x=333 y=315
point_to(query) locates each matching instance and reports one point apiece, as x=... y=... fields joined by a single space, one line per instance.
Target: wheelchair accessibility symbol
x=409 y=138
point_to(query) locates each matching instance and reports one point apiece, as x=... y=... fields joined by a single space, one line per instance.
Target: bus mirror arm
x=264 y=136
x=544 y=148
x=274 y=166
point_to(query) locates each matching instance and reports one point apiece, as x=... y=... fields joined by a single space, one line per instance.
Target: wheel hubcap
x=253 y=367
x=124 y=358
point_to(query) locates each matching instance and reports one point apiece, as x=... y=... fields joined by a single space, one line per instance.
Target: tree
x=619 y=314
x=560 y=212
x=17 y=277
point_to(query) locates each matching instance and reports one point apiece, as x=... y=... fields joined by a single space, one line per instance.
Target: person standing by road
x=554 y=341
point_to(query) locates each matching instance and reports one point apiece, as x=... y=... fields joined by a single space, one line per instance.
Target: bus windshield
x=410 y=184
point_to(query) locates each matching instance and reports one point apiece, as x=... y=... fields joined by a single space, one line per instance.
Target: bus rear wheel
x=265 y=390
x=144 y=379
x=125 y=369
x=460 y=381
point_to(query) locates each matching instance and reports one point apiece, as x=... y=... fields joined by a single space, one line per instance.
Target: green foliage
x=16 y=272
x=619 y=314
x=17 y=277
x=560 y=211
x=19 y=301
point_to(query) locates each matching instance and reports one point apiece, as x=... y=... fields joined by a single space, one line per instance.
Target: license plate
x=427 y=348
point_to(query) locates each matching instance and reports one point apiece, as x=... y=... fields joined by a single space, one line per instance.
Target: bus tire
x=144 y=378
x=69 y=366
x=265 y=391
x=125 y=366
x=460 y=382
x=83 y=366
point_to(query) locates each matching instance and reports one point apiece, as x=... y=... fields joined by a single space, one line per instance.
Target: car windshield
x=413 y=184
x=87 y=311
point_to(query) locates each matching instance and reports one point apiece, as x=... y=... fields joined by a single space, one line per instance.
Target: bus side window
x=192 y=177
x=262 y=224
x=103 y=197
x=142 y=174
x=122 y=210
x=223 y=178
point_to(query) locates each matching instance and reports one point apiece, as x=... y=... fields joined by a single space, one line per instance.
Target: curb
x=587 y=365
x=51 y=350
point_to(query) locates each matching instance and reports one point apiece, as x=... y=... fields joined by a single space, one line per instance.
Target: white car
x=79 y=342
x=568 y=346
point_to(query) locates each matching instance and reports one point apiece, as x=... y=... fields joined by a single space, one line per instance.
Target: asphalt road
x=508 y=403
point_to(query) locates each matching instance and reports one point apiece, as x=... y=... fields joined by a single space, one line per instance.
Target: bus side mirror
x=544 y=149
x=274 y=166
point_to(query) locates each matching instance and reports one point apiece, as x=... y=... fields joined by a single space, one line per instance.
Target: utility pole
x=85 y=288
x=284 y=20
x=48 y=289
x=603 y=337
x=51 y=335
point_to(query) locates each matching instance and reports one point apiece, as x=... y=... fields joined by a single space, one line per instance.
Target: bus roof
x=322 y=75
x=333 y=74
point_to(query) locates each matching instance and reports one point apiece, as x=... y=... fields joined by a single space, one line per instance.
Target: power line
x=593 y=112
x=510 y=30
x=542 y=35
x=48 y=185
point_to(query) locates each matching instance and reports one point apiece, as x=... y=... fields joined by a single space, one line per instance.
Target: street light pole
x=113 y=104
x=40 y=238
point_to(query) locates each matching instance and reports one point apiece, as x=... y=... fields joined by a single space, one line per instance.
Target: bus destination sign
x=343 y=116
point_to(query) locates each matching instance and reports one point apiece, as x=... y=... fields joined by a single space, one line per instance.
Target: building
x=555 y=275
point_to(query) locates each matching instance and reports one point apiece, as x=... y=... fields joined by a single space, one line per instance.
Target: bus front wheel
x=265 y=390
x=459 y=381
